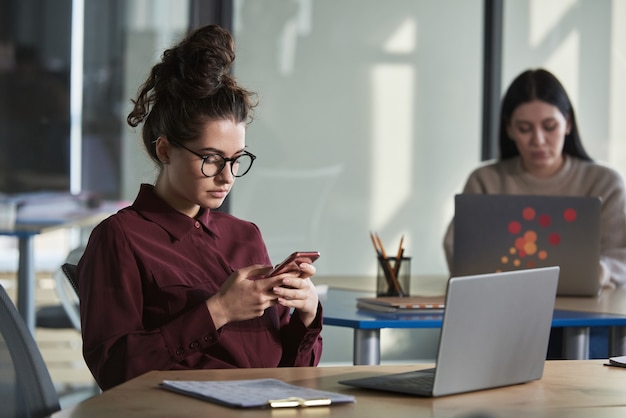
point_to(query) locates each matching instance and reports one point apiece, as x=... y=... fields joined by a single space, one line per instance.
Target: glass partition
x=371 y=113
x=34 y=95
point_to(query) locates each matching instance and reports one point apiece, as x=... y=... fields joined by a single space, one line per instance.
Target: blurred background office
x=380 y=109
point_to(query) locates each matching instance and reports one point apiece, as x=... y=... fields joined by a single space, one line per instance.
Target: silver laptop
x=509 y=232
x=494 y=333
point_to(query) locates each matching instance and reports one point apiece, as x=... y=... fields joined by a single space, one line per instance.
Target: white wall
x=390 y=92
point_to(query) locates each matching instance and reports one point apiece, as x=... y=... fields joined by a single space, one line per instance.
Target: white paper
x=249 y=393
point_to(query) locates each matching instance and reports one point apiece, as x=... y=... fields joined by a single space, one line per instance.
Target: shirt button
x=197 y=224
x=208 y=338
x=194 y=344
x=180 y=352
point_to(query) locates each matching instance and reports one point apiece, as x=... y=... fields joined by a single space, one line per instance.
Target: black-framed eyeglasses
x=213 y=164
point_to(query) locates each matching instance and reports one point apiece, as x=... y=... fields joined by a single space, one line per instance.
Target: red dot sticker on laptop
x=569 y=215
x=528 y=214
x=554 y=238
x=515 y=227
x=545 y=220
x=526 y=245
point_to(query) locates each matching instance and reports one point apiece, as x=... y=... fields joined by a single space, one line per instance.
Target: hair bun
x=200 y=64
x=190 y=85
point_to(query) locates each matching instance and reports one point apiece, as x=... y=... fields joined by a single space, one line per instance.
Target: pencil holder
x=393 y=279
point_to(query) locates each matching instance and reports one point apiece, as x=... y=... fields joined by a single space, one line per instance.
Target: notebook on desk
x=494 y=333
x=510 y=232
x=402 y=304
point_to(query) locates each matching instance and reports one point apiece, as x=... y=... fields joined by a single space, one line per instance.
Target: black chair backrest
x=70 y=272
x=26 y=388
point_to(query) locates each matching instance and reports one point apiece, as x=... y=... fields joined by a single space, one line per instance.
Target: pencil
x=396 y=267
x=381 y=261
x=400 y=247
x=374 y=242
x=392 y=274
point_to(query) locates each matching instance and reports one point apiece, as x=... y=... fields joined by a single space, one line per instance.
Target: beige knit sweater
x=576 y=178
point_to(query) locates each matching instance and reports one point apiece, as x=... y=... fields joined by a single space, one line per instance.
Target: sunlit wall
x=389 y=92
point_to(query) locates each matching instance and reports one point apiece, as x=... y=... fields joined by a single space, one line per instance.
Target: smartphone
x=292 y=262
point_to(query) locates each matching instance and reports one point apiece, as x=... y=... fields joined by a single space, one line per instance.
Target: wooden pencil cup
x=393 y=279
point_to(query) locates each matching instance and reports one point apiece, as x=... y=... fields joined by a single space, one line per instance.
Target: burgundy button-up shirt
x=144 y=279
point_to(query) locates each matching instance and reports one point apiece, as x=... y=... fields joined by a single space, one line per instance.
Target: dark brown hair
x=189 y=87
x=539 y=84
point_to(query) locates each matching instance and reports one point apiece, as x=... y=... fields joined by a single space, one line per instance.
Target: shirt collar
x=152 y=207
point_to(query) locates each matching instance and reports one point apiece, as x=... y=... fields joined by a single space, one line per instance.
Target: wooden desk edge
x=564 y=387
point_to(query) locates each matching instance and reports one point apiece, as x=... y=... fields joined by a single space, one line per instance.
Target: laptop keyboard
x=424 y=382
x=418 y=380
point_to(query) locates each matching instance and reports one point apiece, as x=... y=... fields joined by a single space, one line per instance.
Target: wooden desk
x=581 y=388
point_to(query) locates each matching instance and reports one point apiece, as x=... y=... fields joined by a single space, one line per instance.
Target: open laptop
x=494 y=333
x=509 y=232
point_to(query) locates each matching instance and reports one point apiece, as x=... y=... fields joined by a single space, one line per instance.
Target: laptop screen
x=494 y=233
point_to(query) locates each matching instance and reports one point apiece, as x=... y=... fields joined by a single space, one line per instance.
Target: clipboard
x=403 y=304
x=255 y=393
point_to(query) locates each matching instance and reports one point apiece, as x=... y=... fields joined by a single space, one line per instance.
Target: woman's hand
x=244 y=295
x=299 y=292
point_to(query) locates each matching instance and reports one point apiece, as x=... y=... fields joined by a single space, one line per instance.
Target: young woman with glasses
x=169 y=283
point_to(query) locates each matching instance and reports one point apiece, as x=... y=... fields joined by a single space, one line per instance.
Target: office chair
x=70 y=273
x=66 y=315
x=26 y=388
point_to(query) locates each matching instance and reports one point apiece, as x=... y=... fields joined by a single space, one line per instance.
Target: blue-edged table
x=611 y=302
x=52 y=217
x=340 y=310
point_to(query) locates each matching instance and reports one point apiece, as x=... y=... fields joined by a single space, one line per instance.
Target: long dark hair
x=539 y=84
x=189 y=87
